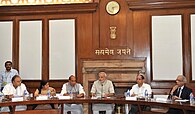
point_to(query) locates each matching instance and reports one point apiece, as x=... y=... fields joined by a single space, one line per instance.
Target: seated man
x=179 y=91
x=103 y=88
x=16 y=88
x=139 y=90
x=77 y=90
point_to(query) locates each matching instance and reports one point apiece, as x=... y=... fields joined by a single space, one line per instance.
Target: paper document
x=182 y=100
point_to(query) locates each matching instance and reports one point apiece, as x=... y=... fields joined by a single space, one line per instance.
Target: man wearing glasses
x=179 y=91
x=138 y=90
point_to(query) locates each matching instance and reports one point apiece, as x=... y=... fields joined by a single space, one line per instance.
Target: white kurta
x=74 y=108
x=64 y=89
x=98 y=88
x=9 y=89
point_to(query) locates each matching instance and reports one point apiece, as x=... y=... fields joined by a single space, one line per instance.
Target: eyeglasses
x=179 y=80
x=138 y=79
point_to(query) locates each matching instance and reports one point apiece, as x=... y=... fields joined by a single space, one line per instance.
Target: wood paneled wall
x=133 y=24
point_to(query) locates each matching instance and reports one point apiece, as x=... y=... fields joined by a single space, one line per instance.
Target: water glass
x=103 y=95
x=31 y=95
x=149 y=97
x=71 y=96
x=125 y=94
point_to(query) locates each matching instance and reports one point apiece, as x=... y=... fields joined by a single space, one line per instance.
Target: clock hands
x=112 y=7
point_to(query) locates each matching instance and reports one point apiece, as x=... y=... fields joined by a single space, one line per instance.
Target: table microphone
x=102 y=91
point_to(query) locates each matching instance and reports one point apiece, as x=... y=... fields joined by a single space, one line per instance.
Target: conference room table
x=185 y=106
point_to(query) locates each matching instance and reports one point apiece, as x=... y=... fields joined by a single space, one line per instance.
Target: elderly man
x=179 y=91
x=7 y=74
x=76 y=89
x=103 y=88
x=139 y=90
x=16 y=88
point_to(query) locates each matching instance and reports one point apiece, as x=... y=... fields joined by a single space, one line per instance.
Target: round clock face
x=112 y=7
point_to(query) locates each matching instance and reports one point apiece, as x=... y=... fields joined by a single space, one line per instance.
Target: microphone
x=102 y=94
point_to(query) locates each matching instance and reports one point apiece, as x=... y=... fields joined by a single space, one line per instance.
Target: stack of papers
x=180 y=100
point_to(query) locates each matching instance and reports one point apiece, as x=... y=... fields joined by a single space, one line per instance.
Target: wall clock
x=112 y=7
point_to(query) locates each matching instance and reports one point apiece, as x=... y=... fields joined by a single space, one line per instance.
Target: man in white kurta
x=139 y=90
x=76 y=90
x=15 y=89
x=102 y=88
x=7 y=74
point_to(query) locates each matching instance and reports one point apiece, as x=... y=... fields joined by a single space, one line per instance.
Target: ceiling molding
x=48 y=9
x=159 y=4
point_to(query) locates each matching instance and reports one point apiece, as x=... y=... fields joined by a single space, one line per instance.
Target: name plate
x=15 y=99
x=161 y=99
x=131 y=98
x=63 y=97
x=42 y=98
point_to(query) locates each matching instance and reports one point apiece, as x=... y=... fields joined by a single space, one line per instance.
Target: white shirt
x=6 y=77
x=181 y=88
x=140 y=91
x=9 y=89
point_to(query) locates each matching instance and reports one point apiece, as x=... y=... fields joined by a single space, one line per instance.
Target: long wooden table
x=185 y=106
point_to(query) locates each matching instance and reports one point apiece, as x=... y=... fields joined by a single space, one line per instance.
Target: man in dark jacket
x=179 y=91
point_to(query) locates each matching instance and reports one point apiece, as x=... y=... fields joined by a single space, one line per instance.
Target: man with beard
x=7 y=74
x=102 y=88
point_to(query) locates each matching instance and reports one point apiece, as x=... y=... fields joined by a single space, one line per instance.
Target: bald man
x=72 y=87
x=15 y=89
x=179 y=91
x=139 y=90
